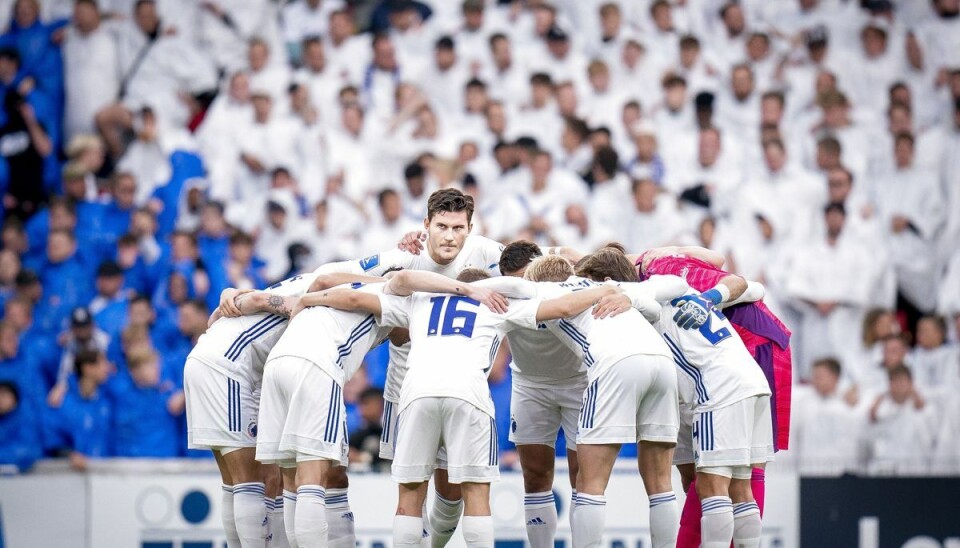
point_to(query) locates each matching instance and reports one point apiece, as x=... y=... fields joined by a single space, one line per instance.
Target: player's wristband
x=717 y=295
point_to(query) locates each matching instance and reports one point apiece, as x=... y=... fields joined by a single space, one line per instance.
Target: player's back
x=243 y=343
x=607 y=341
x=334 y=340
x=714 y=358
x=454 y=340
x=538 y=356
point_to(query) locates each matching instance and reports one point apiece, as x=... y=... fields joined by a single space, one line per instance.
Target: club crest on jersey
x=252 y=428
x=513 y=425
x=370 y=262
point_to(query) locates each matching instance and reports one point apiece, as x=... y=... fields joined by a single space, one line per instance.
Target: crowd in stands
x=155 y=152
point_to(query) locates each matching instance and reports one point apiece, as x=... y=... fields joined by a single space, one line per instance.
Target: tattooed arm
x=260 y=301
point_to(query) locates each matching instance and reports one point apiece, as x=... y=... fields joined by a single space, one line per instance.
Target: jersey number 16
x=457 y=320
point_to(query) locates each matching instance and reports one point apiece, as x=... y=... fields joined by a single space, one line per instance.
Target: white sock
x=226 y=516
x=340 y=526
x=407 y=531
x=589 y=520
x=250 y=514
x=747 y=526
x=716 y=525
x=478 y=531
x=572 y=511
x=540 y=514
x=310 y=523
x=289 y=517
x=444 y=517
x=276 y=535
x=664 y=520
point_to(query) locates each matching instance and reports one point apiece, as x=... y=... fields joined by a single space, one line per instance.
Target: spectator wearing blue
x=118 y=210
x=140 y=319
x=19 y=430
x=145 y=409
x=66 y=278
x=140 y=253
x=241 y=268
x=44 y=351
x=39 y=45
x=83 y=336
x=9 y=268
x=192 y=318
x=81 y=427
x=60 y=214
x=109 y=306
x=25 y=142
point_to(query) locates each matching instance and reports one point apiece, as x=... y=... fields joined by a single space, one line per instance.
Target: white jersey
x=719 y=367
x=477 y=251
x=241 y=345
x=454 y=341
x=334 y=340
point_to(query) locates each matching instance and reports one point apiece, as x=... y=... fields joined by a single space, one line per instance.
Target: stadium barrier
x=175 y=504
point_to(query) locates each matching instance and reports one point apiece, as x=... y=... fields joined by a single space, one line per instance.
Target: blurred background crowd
x=155 y=152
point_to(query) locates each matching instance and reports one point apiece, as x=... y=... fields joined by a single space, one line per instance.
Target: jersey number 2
x=713 y=337
x=456 y=320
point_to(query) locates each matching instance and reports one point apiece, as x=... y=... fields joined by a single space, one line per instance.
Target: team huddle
x=610 y=347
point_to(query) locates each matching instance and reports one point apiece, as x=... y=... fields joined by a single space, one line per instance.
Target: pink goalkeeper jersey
x=765 y=336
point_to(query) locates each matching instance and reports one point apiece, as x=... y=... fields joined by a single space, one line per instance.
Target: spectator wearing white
x=647 y=162
x=738 y=110
x=157 y=68
x=950 y=171
x=321 y=79
x=945 y=458
x=147 y=157
x=412 y=35
x=875 y=380
x=471 y=122
x=948 y=302
x=935 y=363
x=653 y=221
x=911 y=205
x=675 y=122
x=539 y=118
x=639 y=72
x=801 y=70
x=473 y=34
x=877 y=67
x=381 y=77
x=415 y=192
x=879 y=324
x=349 y=53
x=575 y=151
x=827 y=430
x=929 y=142
x=580 y=231
x=763 y=59
x=351 y=152
x=387 y=222
x=836 y=121
x=602 y=104
x=279 y=229
x=611 y=38
x=663 y=37
x=443 y=81
x=91 y=73
x=546 y=192
x=306 y=18
x=500 y=219
x=219 y=135
x=699 y=72
x=268 y=74
x=711 y=179
x=829 y=284
x=729 y=40
x=506 y=77
x=323 y=240
x=902 y=428
x=609 y=203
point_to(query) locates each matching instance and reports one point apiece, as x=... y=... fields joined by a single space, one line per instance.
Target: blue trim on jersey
x=692 y=371
x=332 y=427
x=385 y=422
x=253 y=333
x=578 y=337
x=358 y=332
x=492 y=355
x=589 y=407
x=233 y=405
x=706 y=431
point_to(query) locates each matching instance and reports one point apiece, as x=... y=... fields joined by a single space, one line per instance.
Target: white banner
x=147 y=504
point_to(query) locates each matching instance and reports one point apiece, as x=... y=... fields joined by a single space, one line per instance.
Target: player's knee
x=336 y=478
x=537 y=473
x=741 y=490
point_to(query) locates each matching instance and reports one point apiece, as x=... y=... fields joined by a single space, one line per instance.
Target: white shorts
x=221 y=409
x=634 y=400
x=302 y=416
x=388 y=438
x=468 y=434
x=538 y=412
x=396 y=372
x=729 y=440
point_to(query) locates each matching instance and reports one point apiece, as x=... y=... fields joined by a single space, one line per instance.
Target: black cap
x=109 y=269
x=557 y=34
x=80 y=317
x=26 y=277
x=445 y=42
x=412 y=171
x=816 y=36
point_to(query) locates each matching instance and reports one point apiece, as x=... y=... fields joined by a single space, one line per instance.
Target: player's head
x=472 y=274
x=550 y=268
x=449 y=220
x=607 y=263
x=516 y=257
x=826 y=375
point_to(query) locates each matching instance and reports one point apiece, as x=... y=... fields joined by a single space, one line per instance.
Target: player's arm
x=328 y=281
x=374 y=265
x=406 y=282
x=704 y=254
x=645 y=297
x=256 y=302
x=693 y=310
x=573 y=303
x=341 y=299
x=755 y=291
x=567 y=253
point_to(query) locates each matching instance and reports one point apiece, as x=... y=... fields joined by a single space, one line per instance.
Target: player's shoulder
x=388 y=259
x=475 y=242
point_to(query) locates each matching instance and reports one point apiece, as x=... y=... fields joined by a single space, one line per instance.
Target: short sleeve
x=522 y=314
x=394 y=311
x=492 y=250
x=379 y=264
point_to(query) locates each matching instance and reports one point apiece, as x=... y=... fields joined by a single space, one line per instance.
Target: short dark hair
x=444 y=42
x=900 y=371
x=607 y=160
x=83 y=358
x=384 y=194
x=517 y=255
x=578 y=127
x=449 y=200
x=831 y=364
x=835 y=207
x=370 y=392
x=607 y=262
x=241 y=238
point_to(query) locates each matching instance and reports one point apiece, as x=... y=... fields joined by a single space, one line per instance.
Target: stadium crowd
x=156 y=152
